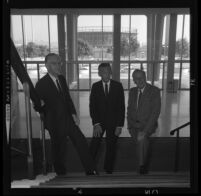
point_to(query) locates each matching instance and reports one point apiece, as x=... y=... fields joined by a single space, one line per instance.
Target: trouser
x=142 y=147
x=111 y=140
x=80 y=144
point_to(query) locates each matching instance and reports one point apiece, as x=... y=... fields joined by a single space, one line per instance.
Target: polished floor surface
x=175 y=111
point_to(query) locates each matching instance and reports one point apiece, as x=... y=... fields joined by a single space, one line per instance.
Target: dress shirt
x=54 y=80
x=142 y=90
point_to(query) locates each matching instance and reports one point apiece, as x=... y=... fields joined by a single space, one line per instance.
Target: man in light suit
x=60 y=117
x=107 y=110
x=144 y=104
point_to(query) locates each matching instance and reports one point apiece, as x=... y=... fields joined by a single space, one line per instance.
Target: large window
x=94 y=44
x=34 y=37
x=133 y=46
x=182 y=53
x=95 y=37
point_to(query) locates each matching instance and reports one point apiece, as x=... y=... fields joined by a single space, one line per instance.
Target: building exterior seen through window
x=37 y=35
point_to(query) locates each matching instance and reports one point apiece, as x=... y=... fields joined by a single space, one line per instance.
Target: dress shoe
x=143 y=170
x=92 y=173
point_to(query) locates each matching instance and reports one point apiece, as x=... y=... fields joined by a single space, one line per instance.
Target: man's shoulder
x=95 y=84
x=42 y=80
x=154 y=88
x=133 y=89
x=116 y=83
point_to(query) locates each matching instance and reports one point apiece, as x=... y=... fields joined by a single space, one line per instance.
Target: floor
x=175 y=111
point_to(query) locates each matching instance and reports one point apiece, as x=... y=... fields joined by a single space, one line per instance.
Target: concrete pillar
x=171 y=50
x=116 y=47
x=154 y=45
x=72 y=48
x=61 y=42
x=150 y=44
x=158 y=44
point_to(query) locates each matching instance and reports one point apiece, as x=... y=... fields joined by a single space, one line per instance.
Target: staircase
x=161 y=167
x=119 y=179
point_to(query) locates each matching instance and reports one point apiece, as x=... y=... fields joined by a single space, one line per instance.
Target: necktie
x=139 y=98
x=58 y=86
x=106 y=89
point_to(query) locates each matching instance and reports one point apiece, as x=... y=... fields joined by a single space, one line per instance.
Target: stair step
x=119 y=179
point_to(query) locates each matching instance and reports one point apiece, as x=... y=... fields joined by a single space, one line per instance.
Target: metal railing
x=177 y=155
x=128 y=66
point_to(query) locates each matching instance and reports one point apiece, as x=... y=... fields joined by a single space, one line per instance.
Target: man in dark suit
x=144 y=104
x=107 y=110
x=60 y=117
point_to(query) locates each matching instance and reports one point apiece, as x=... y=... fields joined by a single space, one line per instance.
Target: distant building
x=100 y=40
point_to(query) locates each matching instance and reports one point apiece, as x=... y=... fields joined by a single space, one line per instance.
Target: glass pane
x=164 y=52
x=89 y=37
x=186 y=40
x=84 y=75
x=85 y=119
x=124 y=73
x=182 y=46
x=138 y=39
x=72 y=75
x=185 y=75
x=32 y=72
x=16 y=34
x=159 y=81
x=42 y=70
x=124 y=45
x=53 y=34
x=36 y=37
x=94 y=73
x=107 y=37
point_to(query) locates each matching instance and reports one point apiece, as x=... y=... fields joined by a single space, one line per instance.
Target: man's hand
x=76 y=119
x=118 y=131
x=97 y=131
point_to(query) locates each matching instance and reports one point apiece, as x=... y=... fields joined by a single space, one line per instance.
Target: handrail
x=178 y=128
x=30 y=93
x=176 y=160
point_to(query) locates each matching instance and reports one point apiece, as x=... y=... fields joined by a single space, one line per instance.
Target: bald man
x=144 y=104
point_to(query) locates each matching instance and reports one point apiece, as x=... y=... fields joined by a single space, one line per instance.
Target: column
x=116 y=47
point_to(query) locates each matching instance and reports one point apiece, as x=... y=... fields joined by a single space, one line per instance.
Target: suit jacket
x=58 y=109
x=109 y=112
x=148 y=110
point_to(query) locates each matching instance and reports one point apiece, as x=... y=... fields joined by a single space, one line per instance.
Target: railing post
x=29 y=130
x=43 y=144
x=176 y=153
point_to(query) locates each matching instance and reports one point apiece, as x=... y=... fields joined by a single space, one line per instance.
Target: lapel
x=145 y=94
x=102 y=92
x=111 y=88
x=52 y=85
x=135 y=96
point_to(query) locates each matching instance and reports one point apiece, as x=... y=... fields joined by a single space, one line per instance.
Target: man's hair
x=139 y=70
x=103 y=65
x=49 y=55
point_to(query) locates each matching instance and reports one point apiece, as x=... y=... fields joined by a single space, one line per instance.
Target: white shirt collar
x=53 y=77
x=106 y=83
